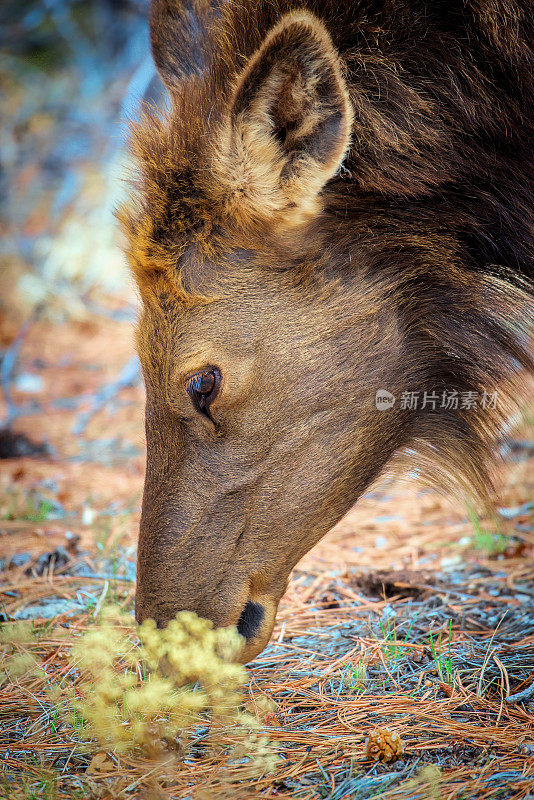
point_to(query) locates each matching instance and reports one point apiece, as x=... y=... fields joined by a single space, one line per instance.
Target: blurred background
x=71 y=73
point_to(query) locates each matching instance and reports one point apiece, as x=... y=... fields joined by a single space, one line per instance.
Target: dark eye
x=202 y=388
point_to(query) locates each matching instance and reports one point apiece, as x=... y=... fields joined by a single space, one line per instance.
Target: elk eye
x=202 y=388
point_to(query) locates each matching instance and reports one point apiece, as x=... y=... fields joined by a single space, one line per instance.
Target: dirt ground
x=414 y=616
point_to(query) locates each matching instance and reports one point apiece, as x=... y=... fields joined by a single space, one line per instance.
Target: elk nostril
x=250 y=620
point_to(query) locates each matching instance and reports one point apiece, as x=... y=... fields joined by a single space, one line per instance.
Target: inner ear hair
x=290 y=120
x=294 y=83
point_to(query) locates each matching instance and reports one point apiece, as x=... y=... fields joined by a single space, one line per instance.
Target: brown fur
x=312 y=275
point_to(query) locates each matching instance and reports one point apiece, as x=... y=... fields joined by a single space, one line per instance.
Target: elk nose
x=250 y=620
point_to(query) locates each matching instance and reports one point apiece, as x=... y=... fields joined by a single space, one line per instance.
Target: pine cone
x=383 y=745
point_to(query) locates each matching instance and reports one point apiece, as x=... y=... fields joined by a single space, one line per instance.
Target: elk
x=335 y=209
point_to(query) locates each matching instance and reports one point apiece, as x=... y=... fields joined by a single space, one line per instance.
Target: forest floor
x=413 y=615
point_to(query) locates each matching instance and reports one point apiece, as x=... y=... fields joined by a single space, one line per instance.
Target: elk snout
x=255 y=625
x=254 y=619
x=249 y=622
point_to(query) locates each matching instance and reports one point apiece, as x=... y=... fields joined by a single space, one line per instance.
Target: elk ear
x=289 y=122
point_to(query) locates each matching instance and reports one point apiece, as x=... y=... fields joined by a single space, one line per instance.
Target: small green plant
x=30 y=507
x=42 y=512
x=443 y=662
x=393 y=649
x=486 y=541
x=389 y=635
x=355 y=676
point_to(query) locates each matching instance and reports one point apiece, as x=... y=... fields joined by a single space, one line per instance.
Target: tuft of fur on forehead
x=169 y=208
